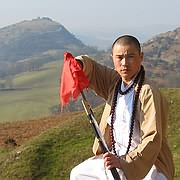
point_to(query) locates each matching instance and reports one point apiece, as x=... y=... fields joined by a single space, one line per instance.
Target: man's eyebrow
x=119 y=55
x=131 y=53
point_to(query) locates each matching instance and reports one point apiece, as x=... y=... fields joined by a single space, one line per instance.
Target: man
x=133 y=122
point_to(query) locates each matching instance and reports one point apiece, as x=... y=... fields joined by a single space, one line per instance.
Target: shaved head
x=127 y=40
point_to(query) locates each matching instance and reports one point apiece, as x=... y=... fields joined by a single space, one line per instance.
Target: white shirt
x=122 y=122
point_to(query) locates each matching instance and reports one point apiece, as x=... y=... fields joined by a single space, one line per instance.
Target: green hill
x=33 y=94
x=52 y=154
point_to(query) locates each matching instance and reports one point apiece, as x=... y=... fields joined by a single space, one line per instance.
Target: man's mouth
x=125 y=70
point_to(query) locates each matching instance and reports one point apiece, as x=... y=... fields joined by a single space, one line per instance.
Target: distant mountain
x=165 y=46
x=31 y=38
x=27 y=45
x=162 y=58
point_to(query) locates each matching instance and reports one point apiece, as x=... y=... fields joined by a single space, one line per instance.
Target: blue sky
x=97 y=17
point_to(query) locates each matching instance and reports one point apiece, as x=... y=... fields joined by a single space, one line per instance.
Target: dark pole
x=98 y=135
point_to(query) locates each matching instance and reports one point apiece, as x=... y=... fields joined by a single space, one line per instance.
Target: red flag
x=73 y=79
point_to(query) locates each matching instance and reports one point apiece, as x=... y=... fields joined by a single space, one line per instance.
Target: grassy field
x=173 y=96
x=52 y=154
x=40 y=94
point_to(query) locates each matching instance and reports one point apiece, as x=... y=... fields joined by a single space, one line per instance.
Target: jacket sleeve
x=100 y=77
x=137 y=163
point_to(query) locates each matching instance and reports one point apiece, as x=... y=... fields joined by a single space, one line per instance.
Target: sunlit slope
x=53 y=154
x=35 y=93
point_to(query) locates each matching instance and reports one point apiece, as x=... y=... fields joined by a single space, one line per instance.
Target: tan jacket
x=152 y=118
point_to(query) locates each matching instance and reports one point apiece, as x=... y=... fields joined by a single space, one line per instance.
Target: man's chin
x=125 y=76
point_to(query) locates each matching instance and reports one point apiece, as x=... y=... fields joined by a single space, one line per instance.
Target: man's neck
x=126 y=82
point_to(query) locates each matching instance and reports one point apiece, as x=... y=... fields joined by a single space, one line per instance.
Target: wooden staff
x=97 y=131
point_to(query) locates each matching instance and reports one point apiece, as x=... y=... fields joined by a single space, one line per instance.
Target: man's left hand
x=111 y=161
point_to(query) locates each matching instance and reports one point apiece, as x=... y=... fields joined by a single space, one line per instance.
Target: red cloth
x=73 y=79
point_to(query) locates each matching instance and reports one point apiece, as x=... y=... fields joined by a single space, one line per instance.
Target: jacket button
x=139 y=154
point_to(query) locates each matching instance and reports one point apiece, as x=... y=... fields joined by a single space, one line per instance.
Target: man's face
x=127 y=60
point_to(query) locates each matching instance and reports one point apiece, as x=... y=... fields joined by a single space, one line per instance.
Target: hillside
x=29 y=87
x=65 y=140
x=50 y=155
x=33 y=94
x=25 y=39
x=29 y=44
x=162 y=58
x=35 y=42
x=165 y=46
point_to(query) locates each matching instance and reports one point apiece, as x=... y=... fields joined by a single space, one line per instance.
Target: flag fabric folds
x=73 y=79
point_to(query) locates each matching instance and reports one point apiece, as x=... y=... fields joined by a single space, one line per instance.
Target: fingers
x=109 y=164
x=107 y=154
x=111 y=161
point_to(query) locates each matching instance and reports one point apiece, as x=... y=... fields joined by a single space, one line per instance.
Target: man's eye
x=130 y=56
x=120 y=57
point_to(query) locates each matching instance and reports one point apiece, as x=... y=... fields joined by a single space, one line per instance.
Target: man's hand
x=111 y=161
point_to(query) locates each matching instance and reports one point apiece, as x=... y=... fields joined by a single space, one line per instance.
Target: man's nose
x=124 y=61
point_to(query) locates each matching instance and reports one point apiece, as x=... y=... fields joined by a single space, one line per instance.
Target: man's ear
x=112 y=62
x=142 y=56
x=111 y=56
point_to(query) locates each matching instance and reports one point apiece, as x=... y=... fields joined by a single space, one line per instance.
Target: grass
x=27 y=104
x=41 y=94
x=54 y=153
x=51 y=155
x=173 y=96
